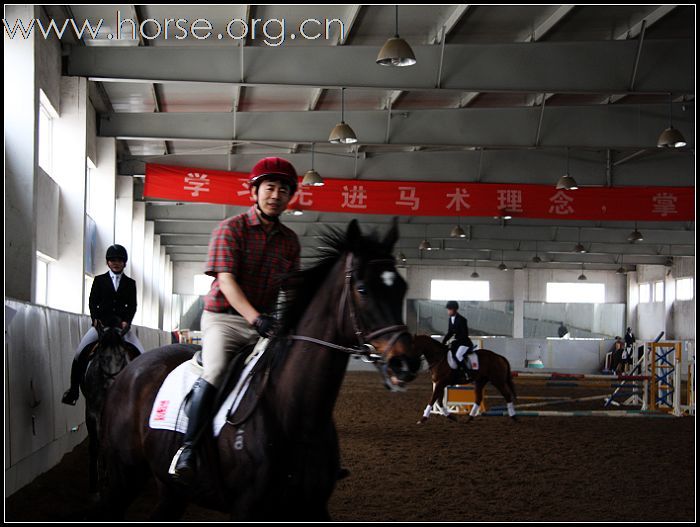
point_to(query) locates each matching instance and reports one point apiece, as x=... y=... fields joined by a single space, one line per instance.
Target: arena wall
x=39 y=346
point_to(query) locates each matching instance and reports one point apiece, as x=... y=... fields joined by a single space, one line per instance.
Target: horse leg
x=170 y=506
x=509 y=395
x=123 y=485
x=438 y=390
x=479 y=396
x=93 y=450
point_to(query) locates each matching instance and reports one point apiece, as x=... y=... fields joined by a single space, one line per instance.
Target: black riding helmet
x=117 y=252
x=452 y=305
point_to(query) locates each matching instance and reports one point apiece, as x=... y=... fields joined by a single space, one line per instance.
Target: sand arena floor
x=537 y=469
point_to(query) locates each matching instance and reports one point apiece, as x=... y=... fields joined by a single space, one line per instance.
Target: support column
x=21 y=157
x=103 y=193
x=124 y=217
x=519 y=291
x=136 y=258
x=148 y=273
x=66 y=275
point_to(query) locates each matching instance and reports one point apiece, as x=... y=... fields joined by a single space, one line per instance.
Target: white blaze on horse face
x=388 y=278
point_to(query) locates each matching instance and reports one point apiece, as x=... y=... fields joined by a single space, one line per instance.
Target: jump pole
x=581 y=413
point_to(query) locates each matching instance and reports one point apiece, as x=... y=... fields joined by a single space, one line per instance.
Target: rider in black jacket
x=113 y=296
x=457 y=327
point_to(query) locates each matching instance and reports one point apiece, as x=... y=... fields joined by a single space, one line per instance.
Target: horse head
x=375 y=302
x=112 y=350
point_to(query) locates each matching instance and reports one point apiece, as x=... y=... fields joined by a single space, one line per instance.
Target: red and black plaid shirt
x=257 y=259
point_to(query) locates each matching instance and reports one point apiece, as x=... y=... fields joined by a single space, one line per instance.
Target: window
x=644 y=293
x=459 y=290
x=41 y=294
x=46 y=116
x=658 y=291
x=684 y=289
x=88 y=287
x=574 y=292
x=91 y=188
x=202 y=284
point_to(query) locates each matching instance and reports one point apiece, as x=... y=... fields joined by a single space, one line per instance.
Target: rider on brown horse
x=461 y=345
x=248 y=255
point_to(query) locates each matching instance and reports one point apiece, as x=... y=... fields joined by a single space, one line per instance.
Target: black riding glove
x=265 y=325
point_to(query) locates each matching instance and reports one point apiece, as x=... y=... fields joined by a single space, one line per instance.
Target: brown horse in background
x=493 y=368
x=278 y=459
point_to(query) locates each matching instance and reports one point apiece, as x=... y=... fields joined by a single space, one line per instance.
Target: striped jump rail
x=580 y=413
x=578 y=376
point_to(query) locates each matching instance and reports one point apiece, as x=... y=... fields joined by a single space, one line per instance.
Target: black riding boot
x=184 y=463
x=77 y=372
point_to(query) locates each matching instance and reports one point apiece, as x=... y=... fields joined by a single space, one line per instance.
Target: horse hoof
x=452 y=418
x=422 y=420
x=514 y=419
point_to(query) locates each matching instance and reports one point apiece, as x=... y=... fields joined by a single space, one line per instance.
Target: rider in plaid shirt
x=248 y=256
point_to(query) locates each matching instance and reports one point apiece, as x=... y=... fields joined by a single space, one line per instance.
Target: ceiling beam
x=561 y=67
x=616 y=127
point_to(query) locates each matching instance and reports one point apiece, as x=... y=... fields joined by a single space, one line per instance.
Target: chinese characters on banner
x=433 y=199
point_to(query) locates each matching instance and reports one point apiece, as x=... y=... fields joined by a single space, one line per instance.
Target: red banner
x=414 y=198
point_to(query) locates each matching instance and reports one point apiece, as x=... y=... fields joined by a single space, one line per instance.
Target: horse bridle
x=365 y=350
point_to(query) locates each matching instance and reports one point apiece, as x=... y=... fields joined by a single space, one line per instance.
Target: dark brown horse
x=109 y=356
x=493 y=368
x=280 y=460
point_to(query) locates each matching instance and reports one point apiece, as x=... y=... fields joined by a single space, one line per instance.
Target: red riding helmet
x=274 y=168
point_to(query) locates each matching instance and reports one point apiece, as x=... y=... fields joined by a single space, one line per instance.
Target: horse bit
x=366 y=351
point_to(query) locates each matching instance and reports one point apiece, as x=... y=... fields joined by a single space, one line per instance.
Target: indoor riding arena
x=439 y=261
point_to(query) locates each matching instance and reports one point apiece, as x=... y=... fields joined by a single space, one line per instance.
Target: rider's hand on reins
x=265 y=325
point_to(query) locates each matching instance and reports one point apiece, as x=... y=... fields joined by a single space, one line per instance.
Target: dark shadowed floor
x=538 y=469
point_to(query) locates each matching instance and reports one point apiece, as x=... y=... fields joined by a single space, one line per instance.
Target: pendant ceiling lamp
x=635 y=236
x=536 y=258
x=579 y=246
x=621 y=269
x=671 y=137
x=458 y=232
x=342 y=133
x=582 y=276
x=312 y=178
x=475 y=274
x=502 y=266
x=396 y=51
x=566 y=182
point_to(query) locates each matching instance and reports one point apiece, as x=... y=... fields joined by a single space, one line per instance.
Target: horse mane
x=301 y=286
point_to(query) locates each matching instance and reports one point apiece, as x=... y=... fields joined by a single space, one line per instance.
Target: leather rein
x=364 y=349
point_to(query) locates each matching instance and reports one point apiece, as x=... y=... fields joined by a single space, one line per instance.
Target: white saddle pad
x=168 y=411
x=473 y=359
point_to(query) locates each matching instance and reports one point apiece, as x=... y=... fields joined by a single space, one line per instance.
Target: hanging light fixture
x=458 y=232
x=671 y=137
x=579 y=246
x=536 y=258
x=312 y=178
x=502 y=266
x=396 y=51
x=582 y=276
x=474 y=274
x=566 y=182
x=425 y=244
x=621 y=269
x=635 y=235
x=342 y=133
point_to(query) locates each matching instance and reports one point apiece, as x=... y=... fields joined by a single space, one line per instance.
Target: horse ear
x=353 y=233
x=392 y=235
